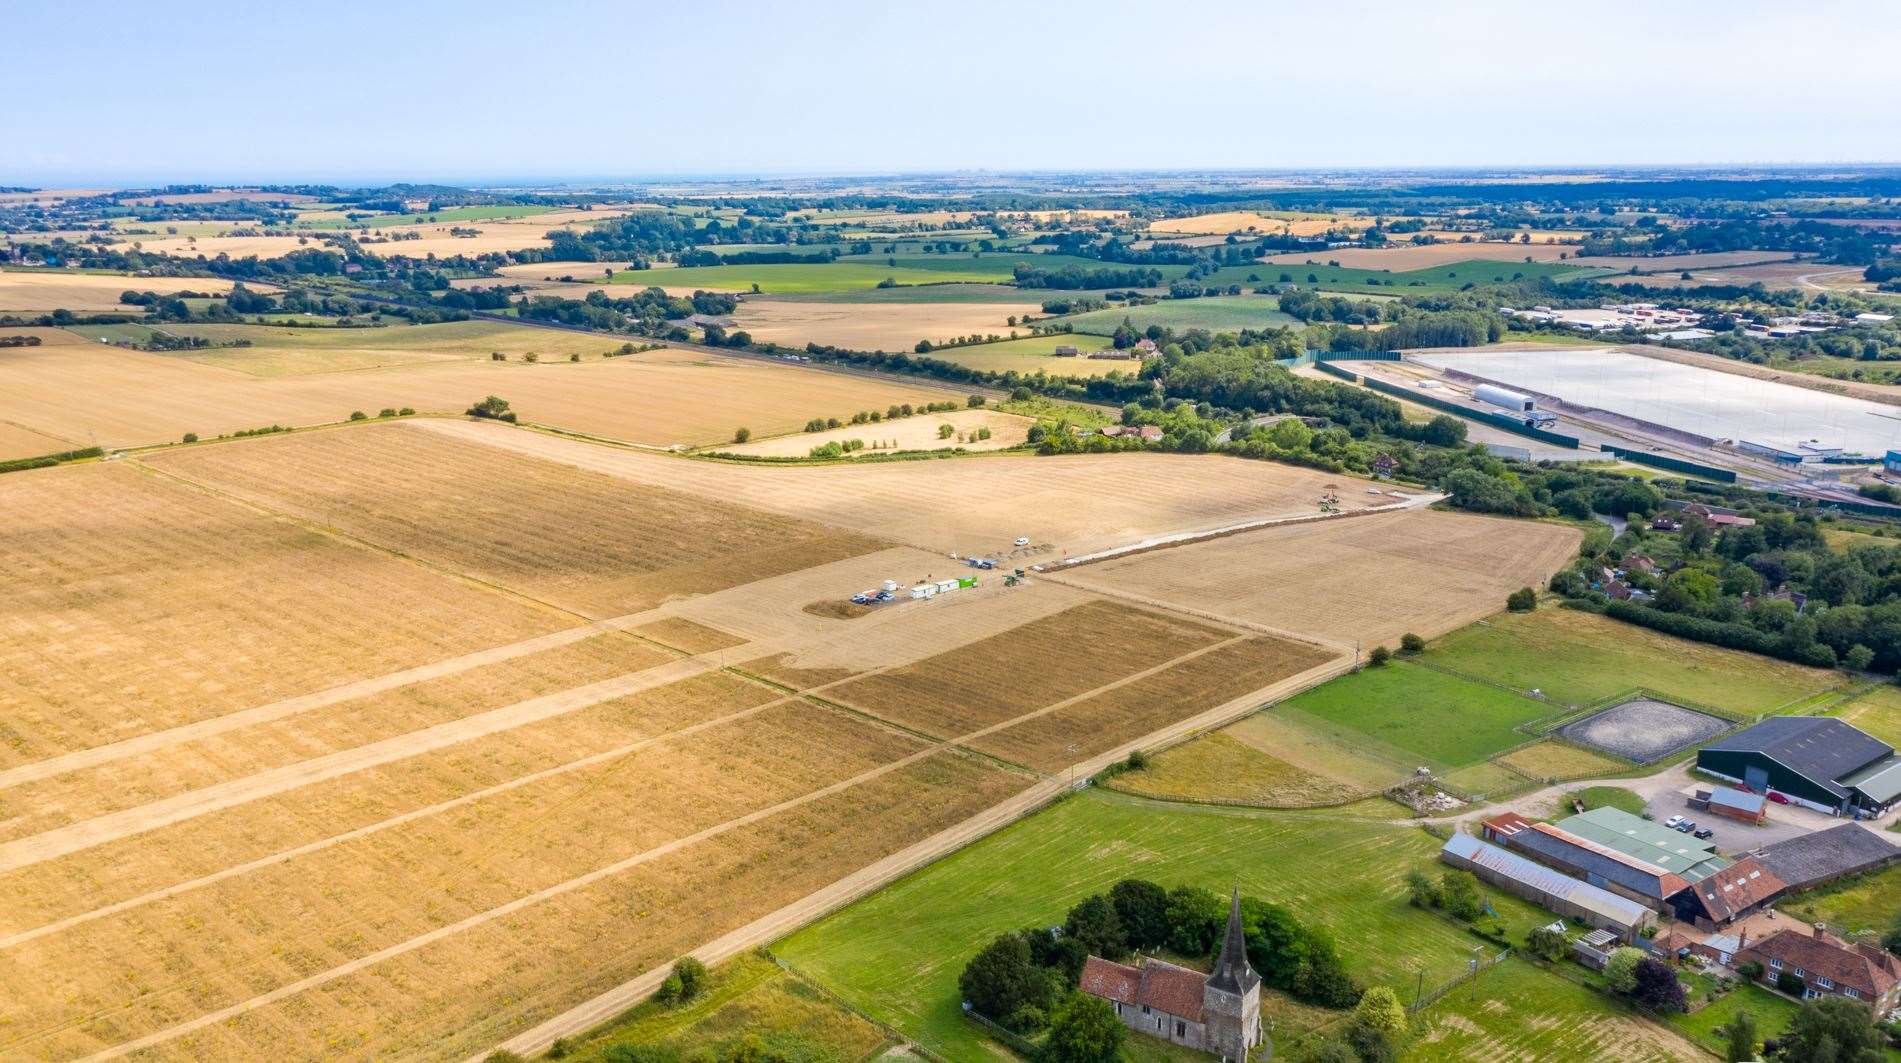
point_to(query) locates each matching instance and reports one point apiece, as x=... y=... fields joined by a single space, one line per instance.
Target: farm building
x=1829 y=966
x=1735 y=804
x=1816 y=859
x=1892 y=462
x=1547 y=888
x=1218 y=1013
x=1815 y=761
x=1643 y=862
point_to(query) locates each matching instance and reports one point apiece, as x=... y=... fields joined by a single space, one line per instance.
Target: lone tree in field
x=1379 y=656
x=1410 y=644
x=742 y=434
x=493 y=408
x=1522 y=600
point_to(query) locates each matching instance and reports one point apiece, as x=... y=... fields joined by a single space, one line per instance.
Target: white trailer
x=945 y=586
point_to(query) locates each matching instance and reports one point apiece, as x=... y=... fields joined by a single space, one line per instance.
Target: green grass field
x=854 y=272
x=897 y=953
x=1771 y=1012
x=748 y=1000
x=1217 y=313
x=1580 y=658
x=1515 y=1011
x=443 y=217
x=1451 y=277
x=1442 y=720
x=1877 y=712
x=1863 y=902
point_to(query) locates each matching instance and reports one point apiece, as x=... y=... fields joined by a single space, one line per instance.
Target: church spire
x=1232 y=972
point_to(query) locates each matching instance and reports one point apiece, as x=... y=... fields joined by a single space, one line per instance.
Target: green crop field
x=933 y=293
x=1450 y=277
x=1516 y=1011
x=1578 y=658
x=1218 y=313
x=1877 y=712
x=897 y=954
x=1442 y=720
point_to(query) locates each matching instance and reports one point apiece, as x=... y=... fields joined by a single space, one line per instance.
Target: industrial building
x=1567 y=896
x=1815 y=761
x=1520 y=405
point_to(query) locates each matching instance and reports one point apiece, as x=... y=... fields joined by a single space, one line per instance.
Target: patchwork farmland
x=462 y=725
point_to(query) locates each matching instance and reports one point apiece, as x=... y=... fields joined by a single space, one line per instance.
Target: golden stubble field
x=1405 y=257
x=43 y=291
x=386 y=742
x=73 y=389
x=876 y=326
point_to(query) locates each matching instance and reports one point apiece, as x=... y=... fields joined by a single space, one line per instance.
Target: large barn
x=1815 y=761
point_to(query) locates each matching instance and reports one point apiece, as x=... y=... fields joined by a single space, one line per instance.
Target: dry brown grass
x=134 y=603
x=1146 y=704
x=1218 y=767
x=19 y=442
x=1018 y=671
x=587 y=542
x=875 y=326
x=1559 y=760
x=1233 y=221
x=909 y=433
x=1066 y=505
x=42 y=291
x=683 y=634
x=1368 y=579
x=78 y=390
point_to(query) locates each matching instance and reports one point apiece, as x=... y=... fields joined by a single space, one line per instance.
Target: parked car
x=1686 y=826
x=1672 y=822
x=1703 y=834
x=1022 y=541
x=1778 y=798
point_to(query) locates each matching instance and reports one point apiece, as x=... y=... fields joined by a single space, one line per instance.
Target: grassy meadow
x=1216 y=313
x=1437 y=718
x=853 y=273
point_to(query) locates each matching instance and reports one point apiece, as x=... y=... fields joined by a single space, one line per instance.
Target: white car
x=1022 y=541
x=1672 y=822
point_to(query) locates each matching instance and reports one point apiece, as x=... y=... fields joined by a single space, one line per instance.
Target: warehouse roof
x=1545 y=880
x=1880 y=782
x=1602 y=861
x=1653 y=843
x=1820 y=748
x=1737 y=800
x=1826 y=855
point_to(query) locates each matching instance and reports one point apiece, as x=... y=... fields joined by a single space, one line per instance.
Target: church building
x=1218 y=1013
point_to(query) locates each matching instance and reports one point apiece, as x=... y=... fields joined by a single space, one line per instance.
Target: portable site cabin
x=945 y=586
x=924 y=590
x=966 y=581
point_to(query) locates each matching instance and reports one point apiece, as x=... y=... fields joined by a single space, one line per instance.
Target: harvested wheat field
x=213 y=246
x=921 y=432
x=1366 y=580
x=134 y=602
x=43 y=291
x=1406 y=257
x=1066 y=506
x=121 y=397
x=1294 y=223
x=17 y=441
x=584 y=541
x=875 y=326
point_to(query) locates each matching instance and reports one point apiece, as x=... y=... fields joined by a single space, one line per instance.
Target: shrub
x=1136 y=761
x=497 y=356
x=574 y=357
x=407 y=411
x=387 y=411
x=1379 y=1008
x=191 y=437
x=1084 y=1029
x=531 y=357
x=1379 y=656
x=359 y=415
x=560 y=1049
x=1657 y=987
x=1750 y=969
x=1002 y=979
x=503 y=1055
x=1621 y=970
x=494 y=408
x=692 y=976
x=1522 y=600
x=740 y=435
x=1421 y=890
x=1546 y=943
x=1410 y=643
x=1459 y=894
x=1790 y=983
x=975 y=401
x=816 y=424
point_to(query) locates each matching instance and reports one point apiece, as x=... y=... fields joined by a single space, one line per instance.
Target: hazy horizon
x=494 y=93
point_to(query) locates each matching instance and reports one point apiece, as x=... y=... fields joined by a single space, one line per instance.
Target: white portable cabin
x=891 y=586
x=924 y=590
x=945 y=586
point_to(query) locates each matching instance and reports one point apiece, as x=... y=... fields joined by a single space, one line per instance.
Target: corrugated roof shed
x=1591 y=858
x=1826 y=855
x=1653 y=843
x=1880 y=782
x=1820 y=748
x=1545 y=880
x=1737 y=800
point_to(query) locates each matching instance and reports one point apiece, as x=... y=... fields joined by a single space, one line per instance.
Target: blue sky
x=350 y=91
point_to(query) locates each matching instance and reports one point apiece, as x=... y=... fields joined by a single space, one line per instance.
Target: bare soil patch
x=832 y=609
